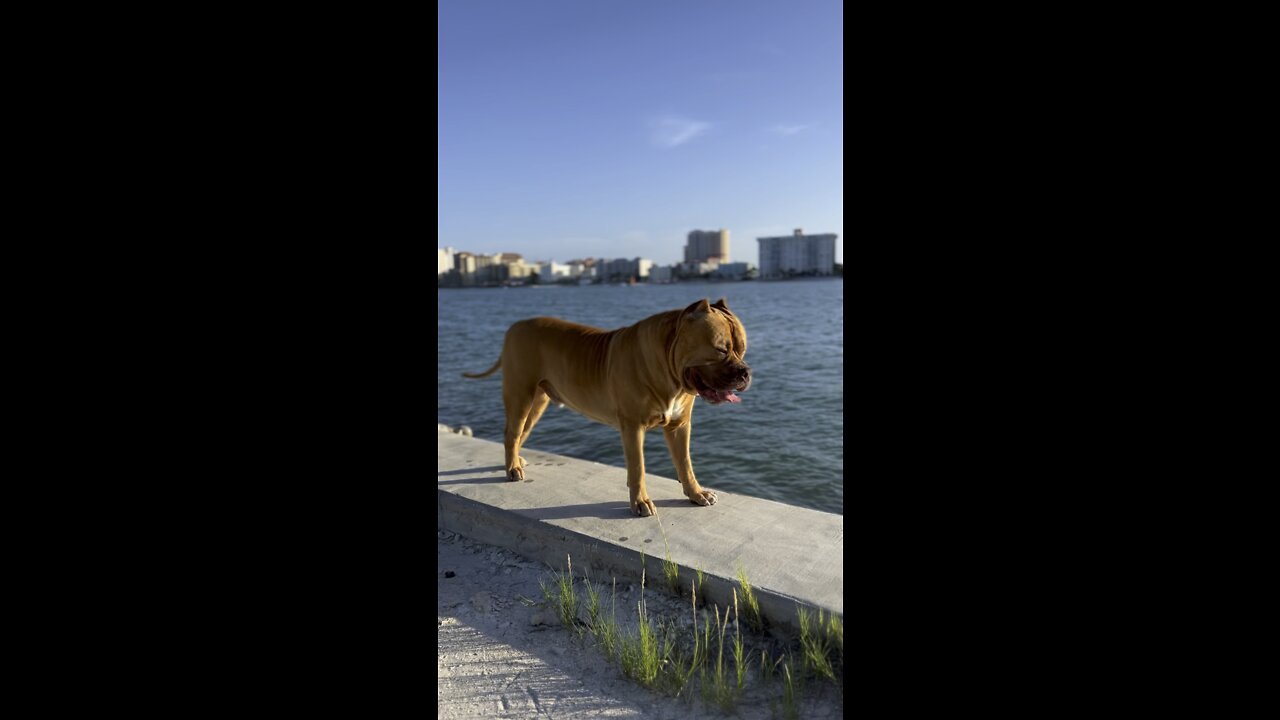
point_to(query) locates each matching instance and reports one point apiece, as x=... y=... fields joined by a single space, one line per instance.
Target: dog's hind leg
x=518 y=403
x=540 y=402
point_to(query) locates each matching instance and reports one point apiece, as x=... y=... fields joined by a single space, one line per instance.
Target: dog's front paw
x=703 y=497
x=643 y=507
x=515 y=474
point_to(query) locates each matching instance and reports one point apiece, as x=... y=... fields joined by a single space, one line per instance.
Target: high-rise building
x=621 y=269
x=797 y=254
x=707 y=245
x=445 y=258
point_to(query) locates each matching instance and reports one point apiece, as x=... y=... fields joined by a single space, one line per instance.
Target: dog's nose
x=743 y=374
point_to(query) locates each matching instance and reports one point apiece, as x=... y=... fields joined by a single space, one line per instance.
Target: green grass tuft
x=835 y=632
x=603 y=628
x=740 y=661
x=670 y=570
x=640 y=658
x=672 y=573
x=562 y=597
x=659 y=656
x=593 y=602
x=754 y=618
x=790 y=689
x=652 y=656
x=717 y=688
x=815 y=645
x=767 y=668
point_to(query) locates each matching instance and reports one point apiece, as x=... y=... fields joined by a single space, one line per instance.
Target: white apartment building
x=552 y=271
x=797 y=254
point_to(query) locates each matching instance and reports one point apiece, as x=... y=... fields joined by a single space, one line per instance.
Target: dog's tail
x=486 y=373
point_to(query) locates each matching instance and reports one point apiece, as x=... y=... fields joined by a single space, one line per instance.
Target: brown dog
x=634 y=379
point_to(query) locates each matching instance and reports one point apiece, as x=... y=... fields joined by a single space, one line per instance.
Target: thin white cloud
x=671 y=131
x=789 y=129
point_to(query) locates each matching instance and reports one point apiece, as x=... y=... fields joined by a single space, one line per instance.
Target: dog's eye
x=724 y=351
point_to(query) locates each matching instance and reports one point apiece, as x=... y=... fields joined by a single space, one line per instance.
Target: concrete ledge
x=791 y=555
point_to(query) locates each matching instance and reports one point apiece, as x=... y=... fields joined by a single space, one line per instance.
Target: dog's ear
x=739 y=337
x=702 y=306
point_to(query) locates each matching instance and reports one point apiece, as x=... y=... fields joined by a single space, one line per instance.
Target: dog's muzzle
x=721 y=384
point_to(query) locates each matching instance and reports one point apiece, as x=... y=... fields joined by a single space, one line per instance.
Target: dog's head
x=707 y=352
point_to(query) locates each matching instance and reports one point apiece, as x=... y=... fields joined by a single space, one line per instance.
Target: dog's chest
x=669 y=414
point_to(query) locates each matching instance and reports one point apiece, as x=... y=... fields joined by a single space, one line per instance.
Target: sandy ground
x=502 y=654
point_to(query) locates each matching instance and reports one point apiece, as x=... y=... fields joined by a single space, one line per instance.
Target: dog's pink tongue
x=732 y=398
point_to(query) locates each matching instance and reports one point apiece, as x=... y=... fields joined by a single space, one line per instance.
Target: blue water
x=784 y=441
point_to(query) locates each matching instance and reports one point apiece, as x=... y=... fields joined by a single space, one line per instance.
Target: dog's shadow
x=618 y=510
x=602 y=510
x=502 y=477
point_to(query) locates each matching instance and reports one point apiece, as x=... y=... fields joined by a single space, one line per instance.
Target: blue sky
x=611 y=128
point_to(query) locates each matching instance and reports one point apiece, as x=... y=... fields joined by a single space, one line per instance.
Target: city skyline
x=572 y=129
x=706 y=257
x=684 y=252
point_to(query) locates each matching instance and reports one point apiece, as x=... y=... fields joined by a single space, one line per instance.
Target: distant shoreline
x=699 y=281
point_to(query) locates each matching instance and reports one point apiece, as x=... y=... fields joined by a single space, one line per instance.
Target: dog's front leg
x=677 y=438
x=633 y=450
